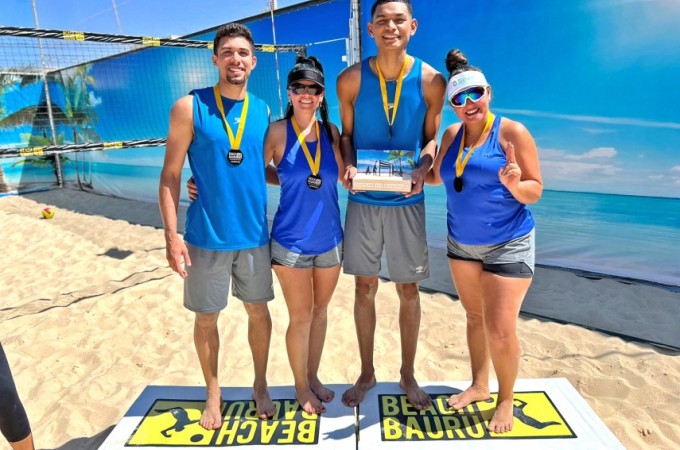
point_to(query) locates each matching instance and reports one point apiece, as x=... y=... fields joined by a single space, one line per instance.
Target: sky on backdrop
x=598 y=78
x=595 y=81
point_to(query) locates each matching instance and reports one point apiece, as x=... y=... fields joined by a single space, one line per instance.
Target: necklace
x=314 y=180
x=234 y=155
x=397 y=94
x=462 y=162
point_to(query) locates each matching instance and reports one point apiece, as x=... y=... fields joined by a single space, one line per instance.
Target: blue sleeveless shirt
x=484 y=212
x=307 y=221
x=230 y=212
x=371 y=130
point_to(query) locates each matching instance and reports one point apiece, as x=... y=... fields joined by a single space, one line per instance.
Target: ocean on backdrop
x=622 y=235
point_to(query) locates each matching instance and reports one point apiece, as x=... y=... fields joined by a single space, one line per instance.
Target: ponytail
x=323 y=110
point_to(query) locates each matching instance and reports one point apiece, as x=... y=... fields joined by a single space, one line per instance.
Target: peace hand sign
x=510 y=174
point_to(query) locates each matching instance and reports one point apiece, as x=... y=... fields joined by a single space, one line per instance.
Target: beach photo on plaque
x=384 y=170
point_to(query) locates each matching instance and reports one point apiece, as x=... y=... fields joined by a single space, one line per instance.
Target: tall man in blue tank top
x=392 y=101
x=222 y=129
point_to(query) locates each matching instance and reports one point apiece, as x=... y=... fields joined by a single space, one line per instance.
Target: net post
x=56 y=161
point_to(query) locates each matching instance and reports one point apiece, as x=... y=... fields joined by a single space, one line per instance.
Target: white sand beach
x=92 y=314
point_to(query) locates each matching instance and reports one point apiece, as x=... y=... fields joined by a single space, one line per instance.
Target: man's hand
x=417 y=179
x=176 y=253
x=350 y=173
x=192 y=189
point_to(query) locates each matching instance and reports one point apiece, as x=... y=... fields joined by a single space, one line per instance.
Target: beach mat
x=549 y=413
x=166 y=417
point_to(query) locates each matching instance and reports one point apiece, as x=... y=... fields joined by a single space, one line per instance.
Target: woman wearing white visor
x=489 y=166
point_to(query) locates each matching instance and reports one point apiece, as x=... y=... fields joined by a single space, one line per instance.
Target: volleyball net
x=66 y=91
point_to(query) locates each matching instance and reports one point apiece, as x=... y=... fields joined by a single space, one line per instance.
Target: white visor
x=463 y=81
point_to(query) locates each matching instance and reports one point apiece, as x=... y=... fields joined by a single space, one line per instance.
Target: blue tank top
x=307 y=221
x=484 y=212
x=231 y=210
x=371 y=130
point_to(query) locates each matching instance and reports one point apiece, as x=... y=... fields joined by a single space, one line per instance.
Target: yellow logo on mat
x=174 y=423
x=536 y=416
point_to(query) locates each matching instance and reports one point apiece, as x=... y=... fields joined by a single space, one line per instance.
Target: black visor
x=305 y=73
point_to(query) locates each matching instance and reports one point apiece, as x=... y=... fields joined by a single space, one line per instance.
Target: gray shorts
x=206 y=287
x=514 y=258
x=283 y=257
x=400 y=230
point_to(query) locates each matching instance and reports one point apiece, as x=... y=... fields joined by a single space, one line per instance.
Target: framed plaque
x=384 y=170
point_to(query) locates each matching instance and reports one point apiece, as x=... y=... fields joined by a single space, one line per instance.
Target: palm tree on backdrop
x=394 y=155
x=7 y=79
x=78 y=111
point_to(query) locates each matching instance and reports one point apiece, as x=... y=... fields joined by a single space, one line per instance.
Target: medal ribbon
x=234 y=142
x=315 y=164
x=460 y=166
x=397 y=94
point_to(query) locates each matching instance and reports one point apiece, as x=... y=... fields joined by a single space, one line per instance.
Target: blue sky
x=137 y=17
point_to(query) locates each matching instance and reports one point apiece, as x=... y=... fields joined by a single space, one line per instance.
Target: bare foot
x=211 y=419
x=470 y=395
x=263 y=403
x=309 y=401
x=355 y=395
x=322 y=392
x=418 y=398
x=502 y=419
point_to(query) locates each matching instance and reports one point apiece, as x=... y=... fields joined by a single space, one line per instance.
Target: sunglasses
x=300 y=89
x=474 y=94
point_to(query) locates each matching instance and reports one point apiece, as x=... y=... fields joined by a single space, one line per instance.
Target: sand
x=92 y=314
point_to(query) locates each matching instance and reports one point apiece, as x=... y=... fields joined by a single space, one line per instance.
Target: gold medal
x=314 y=180
x=234 y=155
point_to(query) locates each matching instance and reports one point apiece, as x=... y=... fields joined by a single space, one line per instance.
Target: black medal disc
x=314 y=182
x=235 y=157
x=458 y=184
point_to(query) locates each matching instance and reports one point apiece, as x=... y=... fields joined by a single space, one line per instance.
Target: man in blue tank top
x=392 y=101
x=221 y=129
